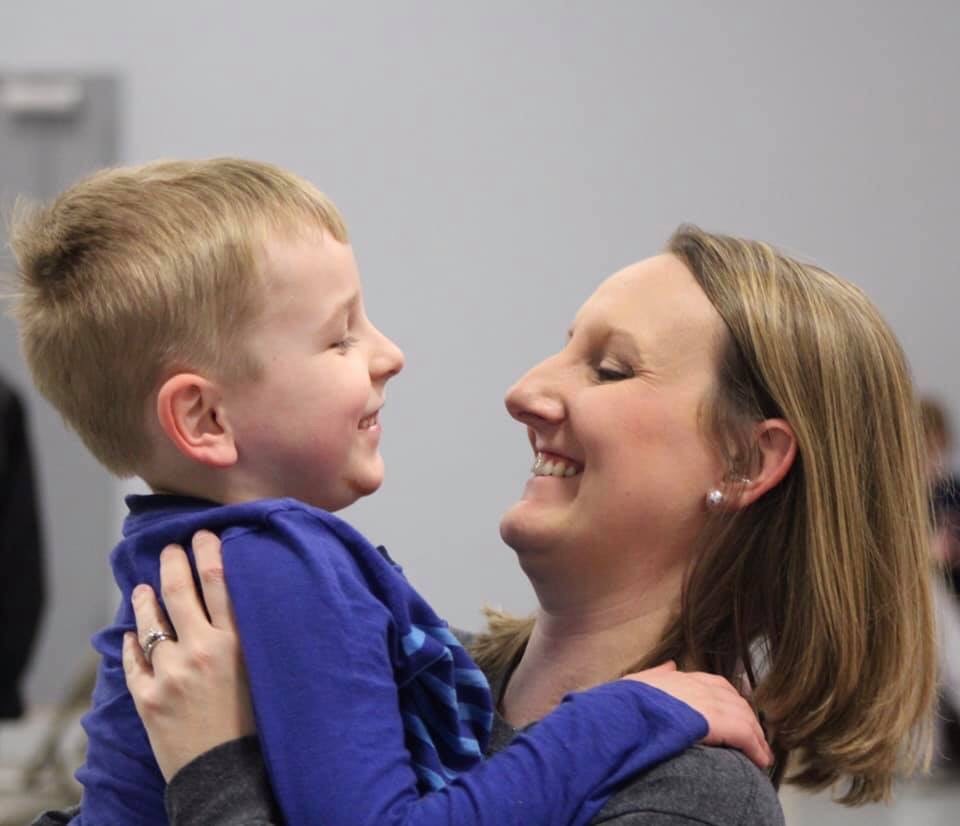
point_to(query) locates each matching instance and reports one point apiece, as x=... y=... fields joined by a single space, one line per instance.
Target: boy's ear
x=777 y=450
x=191 y=414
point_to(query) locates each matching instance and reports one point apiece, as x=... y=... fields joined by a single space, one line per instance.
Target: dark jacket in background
x=22 y=588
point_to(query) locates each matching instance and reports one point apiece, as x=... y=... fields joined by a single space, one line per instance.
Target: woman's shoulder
x=702 y=785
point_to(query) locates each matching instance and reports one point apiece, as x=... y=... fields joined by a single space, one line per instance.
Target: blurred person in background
x=945 y=499
x=944 y=485
x=22 y=584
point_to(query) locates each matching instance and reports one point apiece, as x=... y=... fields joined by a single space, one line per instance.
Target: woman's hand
x=193 y=693
x=730 y=718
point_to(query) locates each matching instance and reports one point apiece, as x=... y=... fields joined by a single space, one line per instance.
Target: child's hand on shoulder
x=730 y=719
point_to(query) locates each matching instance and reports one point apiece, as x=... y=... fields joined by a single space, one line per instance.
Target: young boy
x=201 y=325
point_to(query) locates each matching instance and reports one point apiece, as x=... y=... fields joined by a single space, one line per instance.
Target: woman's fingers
x=153 y=629
x=179 y=592
x=135 y=665
x=195 y=696
x=209 y=559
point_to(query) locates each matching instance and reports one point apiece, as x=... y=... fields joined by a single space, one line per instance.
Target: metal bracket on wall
x=42 y=96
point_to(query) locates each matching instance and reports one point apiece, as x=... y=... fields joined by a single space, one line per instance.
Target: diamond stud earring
x=715 y=498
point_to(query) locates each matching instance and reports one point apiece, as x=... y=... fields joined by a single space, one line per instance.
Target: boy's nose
x=388 y=359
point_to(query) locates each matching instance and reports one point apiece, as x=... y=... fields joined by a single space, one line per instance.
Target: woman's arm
x=226 y=786
x=60 y=818
x=542 y=771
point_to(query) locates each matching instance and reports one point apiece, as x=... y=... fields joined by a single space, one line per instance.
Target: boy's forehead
x=290 y=256
x=307 y=275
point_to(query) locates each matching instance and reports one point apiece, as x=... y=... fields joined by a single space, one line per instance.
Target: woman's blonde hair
x=817 y=594
x=137 y=270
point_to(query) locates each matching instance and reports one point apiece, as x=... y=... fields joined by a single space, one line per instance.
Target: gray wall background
x=39 y=155
x=496 y=160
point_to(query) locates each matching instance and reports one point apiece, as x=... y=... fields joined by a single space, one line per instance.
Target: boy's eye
x=344 y=344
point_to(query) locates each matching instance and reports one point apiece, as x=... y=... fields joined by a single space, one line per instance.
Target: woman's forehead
x=651 y=297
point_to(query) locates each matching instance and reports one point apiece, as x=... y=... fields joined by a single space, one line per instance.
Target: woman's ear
x=191 y=415
x=776 y=450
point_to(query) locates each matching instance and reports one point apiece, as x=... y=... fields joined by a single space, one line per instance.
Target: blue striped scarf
x=446 y=706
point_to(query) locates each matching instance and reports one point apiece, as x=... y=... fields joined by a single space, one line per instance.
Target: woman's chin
x=522 y=526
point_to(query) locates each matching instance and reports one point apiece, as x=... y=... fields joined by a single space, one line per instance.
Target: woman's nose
x=536 y=396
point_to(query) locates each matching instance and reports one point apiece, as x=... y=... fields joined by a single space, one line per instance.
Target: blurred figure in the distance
x=945 y=496
x=945 y=486
x=22 y=586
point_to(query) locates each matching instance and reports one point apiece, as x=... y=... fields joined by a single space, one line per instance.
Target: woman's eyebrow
x=624 y=340
x=616 y=336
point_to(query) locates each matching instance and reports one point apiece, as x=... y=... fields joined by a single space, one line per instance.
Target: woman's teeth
x=370 y=421
x=554 y=466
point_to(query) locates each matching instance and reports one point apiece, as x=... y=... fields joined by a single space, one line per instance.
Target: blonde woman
x=727 y=473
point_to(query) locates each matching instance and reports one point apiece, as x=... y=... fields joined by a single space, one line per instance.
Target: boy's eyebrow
x=341 y=308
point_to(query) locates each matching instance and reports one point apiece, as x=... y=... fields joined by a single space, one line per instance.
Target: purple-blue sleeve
x=315 y=641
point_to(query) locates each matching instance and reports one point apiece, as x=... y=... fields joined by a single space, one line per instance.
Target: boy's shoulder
x=294 y=515
x=284 y=536
x=313 y=533
x=156 y=520
x=163 y=512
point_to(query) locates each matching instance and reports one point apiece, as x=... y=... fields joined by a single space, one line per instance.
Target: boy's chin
x=351 y=493
x=350 y=488
x=367 y=488
x=364 y=486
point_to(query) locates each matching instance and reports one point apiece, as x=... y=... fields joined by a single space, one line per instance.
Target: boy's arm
x=316 y=641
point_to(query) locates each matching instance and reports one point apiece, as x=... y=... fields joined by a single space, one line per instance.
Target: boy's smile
x=371 y=422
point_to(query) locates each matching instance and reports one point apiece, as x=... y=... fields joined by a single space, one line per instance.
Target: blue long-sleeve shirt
x=353 y=679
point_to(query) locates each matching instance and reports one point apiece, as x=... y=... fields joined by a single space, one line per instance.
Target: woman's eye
x=612 y=373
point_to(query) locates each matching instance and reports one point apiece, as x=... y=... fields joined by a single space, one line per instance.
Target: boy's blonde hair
x=136 y=272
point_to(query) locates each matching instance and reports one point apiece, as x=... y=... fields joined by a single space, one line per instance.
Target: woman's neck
x=574 y=647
